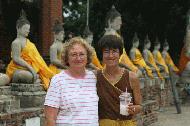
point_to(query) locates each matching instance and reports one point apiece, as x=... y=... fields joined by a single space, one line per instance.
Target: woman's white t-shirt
x=76 y=99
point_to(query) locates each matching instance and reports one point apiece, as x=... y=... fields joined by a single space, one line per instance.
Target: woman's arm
x=52 y=102
x=135 y=85
x=50 y=115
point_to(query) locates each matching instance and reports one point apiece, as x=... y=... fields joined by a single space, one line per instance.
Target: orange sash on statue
x=124 y=59
x=153 y=63
x=161 y=61
x=183 y=61
x=138 y=60
x=96 y=61
x=170 y=62
x=54 y=69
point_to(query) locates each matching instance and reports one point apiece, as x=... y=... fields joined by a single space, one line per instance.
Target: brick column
x=51 y=11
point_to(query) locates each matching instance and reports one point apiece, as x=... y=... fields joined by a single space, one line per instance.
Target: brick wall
x=51 y=10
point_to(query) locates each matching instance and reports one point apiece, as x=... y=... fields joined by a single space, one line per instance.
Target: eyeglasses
x=80 y=55
x=107 y=52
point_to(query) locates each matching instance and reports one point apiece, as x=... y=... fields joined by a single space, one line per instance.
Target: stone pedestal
x=168 y=92
x=20 y=104
x=8 y=102
x=158 y=91
x=149 y=83
x=162 y=92
x=142 y=81
x=183 y=95
x=30 y=95
x=21 y=116
x=5 y=90
x=149 y=115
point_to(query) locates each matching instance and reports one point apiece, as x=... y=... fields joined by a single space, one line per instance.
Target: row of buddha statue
x=27 y=65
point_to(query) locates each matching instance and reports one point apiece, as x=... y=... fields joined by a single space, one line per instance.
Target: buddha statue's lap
x=24 y=76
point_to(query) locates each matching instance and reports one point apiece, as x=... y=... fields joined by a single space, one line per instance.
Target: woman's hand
x=133 y=109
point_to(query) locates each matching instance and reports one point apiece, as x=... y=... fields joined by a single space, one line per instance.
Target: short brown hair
x=110 y=42
x=68 y=45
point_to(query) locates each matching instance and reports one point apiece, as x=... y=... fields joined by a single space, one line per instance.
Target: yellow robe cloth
x=153 y=63
x=96 y=61
x=31 y=55
x=124 y=59
x=161 y=61
x=139 y=60
x=170 y=62
x=54 y=68
x=109 y=122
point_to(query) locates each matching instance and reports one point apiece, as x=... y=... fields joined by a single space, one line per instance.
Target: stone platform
x=19 y=117
x=156 y=94
x=21 y=105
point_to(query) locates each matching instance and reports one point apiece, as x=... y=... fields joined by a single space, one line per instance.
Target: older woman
x=72 y=99
x=112 y=81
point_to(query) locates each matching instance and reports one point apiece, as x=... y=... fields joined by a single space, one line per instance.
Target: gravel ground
x=170 y=118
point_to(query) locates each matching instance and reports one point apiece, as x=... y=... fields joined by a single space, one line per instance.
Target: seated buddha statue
x=137 y=58
x=88 y=36
x=113 y=23
x=56 y=48
x=149 y=58
x=27 y=65
x=160 y=62
x=184 y=62
x=167 y=58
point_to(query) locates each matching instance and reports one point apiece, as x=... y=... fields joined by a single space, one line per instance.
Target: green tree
x=74 y=16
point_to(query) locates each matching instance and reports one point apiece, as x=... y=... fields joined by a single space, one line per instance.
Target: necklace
x=113 y=81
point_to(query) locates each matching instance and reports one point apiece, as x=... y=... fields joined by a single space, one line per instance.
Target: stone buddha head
x=59 y=33
x=23 y=25
x=166 y=45
x=135 y=40
x=88 y=35
x=157 y=44
x=113 y=19
x=147 y=43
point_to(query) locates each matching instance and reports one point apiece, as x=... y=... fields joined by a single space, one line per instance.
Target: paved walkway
x=170 y=118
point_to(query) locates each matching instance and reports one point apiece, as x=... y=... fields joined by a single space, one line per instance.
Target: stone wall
x=20 y=104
